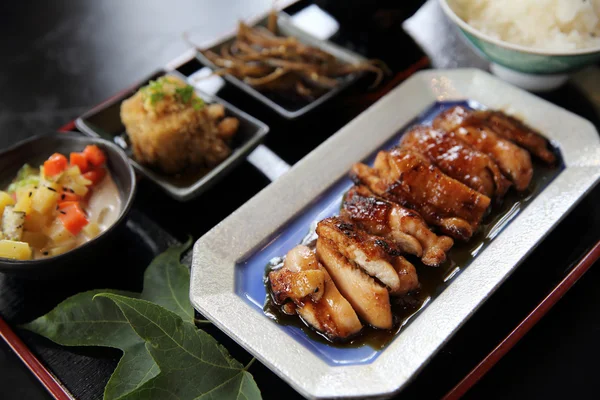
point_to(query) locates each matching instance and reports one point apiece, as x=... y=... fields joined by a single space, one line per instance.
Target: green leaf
x=167 y=282
x=193 y=364
x=82 y=321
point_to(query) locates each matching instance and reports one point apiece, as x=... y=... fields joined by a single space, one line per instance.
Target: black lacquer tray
x=158 y=221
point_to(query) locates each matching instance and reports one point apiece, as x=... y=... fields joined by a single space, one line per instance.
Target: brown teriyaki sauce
x=433 y=279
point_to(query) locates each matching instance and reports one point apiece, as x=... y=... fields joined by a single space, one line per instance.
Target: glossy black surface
x=35 y=151
x=60 y=58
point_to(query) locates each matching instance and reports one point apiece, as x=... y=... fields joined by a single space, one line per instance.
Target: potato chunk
x=5 y=200
x=15 y=250
x=45 y=198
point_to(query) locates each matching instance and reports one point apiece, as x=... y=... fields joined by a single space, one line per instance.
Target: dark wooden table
x=59 y=58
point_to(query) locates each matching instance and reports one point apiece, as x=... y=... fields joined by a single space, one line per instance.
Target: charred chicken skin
x=303 y=280
x=514 y=130
x=374 y=255
x=402 y=226
x=409 y=179
x=458 y=160
x=513 y=161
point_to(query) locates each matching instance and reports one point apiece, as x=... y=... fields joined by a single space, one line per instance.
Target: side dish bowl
x=105 y=121
x=287 y=108
x=530 y=68
x=34 y=151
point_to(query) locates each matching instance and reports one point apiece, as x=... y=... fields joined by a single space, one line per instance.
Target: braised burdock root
x=269 y=62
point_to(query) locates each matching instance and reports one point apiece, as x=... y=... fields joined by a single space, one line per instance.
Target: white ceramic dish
x=221 y=255
x=105 y=121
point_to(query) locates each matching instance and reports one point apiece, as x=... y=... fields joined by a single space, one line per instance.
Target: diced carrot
x=95 y=176
x=94 y=155
x=81 y=161
x=66 y=204
x=68 y=196
x=56 y=164
x=73 y=218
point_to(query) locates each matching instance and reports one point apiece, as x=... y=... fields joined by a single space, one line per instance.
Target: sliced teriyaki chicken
x=458 y=160
x=406 y=228
x=370 y=300
x=317 y=300
x=512 y=129
x=373 y=254
x=409 y=179
x=514 y=162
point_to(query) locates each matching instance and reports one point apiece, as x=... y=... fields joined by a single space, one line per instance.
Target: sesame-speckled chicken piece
x=405 y=227
x=458 y=159
x=513 y=161
x=409 y=179
x=514 y=130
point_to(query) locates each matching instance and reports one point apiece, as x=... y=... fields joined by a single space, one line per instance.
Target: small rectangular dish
x=229 y=262
x=105 y=121
x=288 y=108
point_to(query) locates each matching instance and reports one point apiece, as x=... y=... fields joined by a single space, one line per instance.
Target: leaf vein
x=150 y=322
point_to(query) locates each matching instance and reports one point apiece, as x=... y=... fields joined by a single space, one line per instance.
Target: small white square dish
x=229 y=262
x=105 y=121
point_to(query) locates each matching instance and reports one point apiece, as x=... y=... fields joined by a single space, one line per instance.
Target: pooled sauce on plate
x=433 y=279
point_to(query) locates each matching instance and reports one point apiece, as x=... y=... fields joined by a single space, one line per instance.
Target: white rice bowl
x=540 y=24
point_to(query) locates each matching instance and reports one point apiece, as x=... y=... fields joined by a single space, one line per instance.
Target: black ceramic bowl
x=35 y=151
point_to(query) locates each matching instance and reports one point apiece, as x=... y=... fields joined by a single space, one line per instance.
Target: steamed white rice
x=540 y=24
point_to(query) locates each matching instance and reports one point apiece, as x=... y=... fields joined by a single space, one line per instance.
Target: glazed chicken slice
x=316 y=298
x=409 y=179
x=374 y=255
x=400 y=225
x=512 y=129
x=458 y=160
x=370 y=299
x=513 y=161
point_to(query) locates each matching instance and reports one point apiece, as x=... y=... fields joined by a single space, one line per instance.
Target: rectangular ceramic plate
x=229 y=260
x=105 y=121
x=289 y=109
